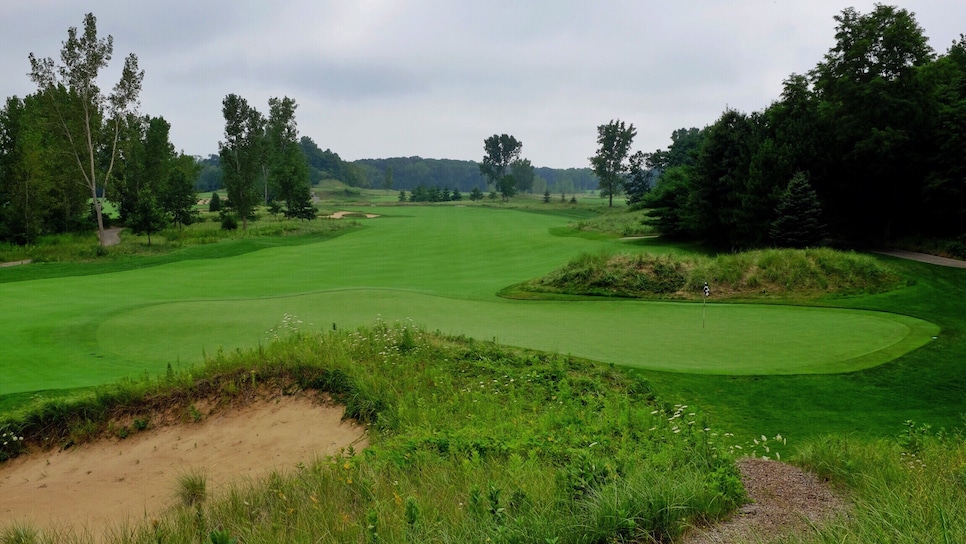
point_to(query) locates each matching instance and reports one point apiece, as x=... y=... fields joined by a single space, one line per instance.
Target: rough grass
x=782 y=273
x=84 y=247
x=906 y=490
x=620 y=222
x=470 y=442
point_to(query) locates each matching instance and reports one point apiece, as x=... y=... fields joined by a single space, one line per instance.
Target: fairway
x=439 y=267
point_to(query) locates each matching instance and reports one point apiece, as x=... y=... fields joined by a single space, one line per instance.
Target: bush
x=229 y=221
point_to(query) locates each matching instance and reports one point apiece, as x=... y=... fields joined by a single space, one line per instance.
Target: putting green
x=440 y=267
x=733 y=339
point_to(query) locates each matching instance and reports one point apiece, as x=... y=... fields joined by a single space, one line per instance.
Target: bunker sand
x=93 y=487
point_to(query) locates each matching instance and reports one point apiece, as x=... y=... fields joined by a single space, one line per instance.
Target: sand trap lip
x=96 y=486
x=340 y=215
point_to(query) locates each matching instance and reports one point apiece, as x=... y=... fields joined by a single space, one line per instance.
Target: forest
x=868 y=148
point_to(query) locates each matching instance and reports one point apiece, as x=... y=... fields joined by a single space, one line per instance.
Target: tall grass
x=84 y=247
x=785 y=273
x=469 y=442
x=907 y=491
x=621 y=222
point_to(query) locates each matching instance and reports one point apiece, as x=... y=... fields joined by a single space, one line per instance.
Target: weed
x=192 y=488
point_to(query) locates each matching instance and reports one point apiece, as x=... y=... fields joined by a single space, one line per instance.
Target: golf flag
x=707 y=290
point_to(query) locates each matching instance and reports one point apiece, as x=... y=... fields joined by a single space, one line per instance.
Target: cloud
x=378 y=78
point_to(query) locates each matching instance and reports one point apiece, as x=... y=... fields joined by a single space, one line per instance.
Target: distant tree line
x=408 y=172
x=867 y=147
x=322 y=165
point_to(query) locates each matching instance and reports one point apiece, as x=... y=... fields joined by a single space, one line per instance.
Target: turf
x=441 y=267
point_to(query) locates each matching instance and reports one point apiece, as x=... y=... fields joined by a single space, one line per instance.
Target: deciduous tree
x=610 y=163
x=90 y=122
x=242 y=154
x=500 y=151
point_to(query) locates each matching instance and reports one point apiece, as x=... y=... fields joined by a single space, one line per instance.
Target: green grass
x=442 y=266
x=617 y=221
x=469 y=442
x=908 y=490
x=782 y=274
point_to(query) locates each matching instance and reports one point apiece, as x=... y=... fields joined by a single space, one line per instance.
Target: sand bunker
x=99 y=485
x=340 y=215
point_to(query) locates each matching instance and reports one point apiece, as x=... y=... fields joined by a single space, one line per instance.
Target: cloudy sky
x=389 y=78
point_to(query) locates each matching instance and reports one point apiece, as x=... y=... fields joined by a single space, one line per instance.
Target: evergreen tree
x=799 y=221
x=402 y=195
x=456 y=196
x=546 y=196
x=476 y=194
x=214 y=205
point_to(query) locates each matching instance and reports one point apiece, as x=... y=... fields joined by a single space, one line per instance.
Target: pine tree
x=799 y=214
x=214 y=205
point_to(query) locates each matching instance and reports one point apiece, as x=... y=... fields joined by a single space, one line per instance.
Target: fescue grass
x=469 y=442
x=618 y=221
x=787 y=274
x=906 y=490
x=84 y=247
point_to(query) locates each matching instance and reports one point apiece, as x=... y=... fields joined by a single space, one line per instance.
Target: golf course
x=439 y=268
x=413 y=321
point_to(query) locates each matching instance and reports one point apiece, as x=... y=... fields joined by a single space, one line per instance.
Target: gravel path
x=924 y=258
x=786 y=500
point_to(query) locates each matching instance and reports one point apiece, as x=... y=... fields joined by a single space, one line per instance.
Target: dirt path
x=99 y=485
x=924 y=258
x=786 y=500
x=111 y=236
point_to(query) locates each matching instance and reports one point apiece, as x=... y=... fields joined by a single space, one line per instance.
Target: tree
x=476 y=194
x=148 y=217
x=457 y=195
x=36 y=196
x=873 y=107
x=799 y=221
x=90 y=122
x=402 y=196
x=609 y=164
x=179 y=198
x=523 y=174
x=638 y=182
x=288 y=171
x=500 y=151
x=241 y=155
x=214 y=205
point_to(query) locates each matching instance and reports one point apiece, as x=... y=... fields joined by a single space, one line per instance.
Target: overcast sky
x=385 y=78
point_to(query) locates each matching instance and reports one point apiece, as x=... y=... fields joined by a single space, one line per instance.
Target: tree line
x=867 y=147
x=69 y=145
x=406 y=173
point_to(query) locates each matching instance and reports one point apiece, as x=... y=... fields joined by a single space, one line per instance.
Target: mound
x=784 y=273
x=99 y=485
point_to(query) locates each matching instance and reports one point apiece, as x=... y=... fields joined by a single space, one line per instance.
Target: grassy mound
x=469 y=442
x=622 y=223
x=784 y=273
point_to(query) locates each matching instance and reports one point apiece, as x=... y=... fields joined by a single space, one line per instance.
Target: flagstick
x=704 y=307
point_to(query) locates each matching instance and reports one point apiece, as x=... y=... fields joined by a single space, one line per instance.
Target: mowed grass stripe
x=734 y=339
